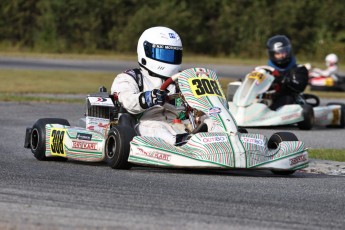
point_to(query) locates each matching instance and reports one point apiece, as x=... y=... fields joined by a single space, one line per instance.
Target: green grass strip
x=327 y=154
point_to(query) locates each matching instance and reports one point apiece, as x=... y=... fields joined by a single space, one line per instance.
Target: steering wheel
x=169 y=81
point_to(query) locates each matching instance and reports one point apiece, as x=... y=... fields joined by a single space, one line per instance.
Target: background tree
x=233 y=28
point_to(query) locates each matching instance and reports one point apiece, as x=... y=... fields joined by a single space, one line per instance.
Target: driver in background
x=331 y=62
x=291 y=79
x=138 y=91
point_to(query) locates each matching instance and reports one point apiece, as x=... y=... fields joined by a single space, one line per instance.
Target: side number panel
x=56 y=142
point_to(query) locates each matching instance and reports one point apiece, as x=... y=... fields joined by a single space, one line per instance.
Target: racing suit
x=132 y=90
x=288 y=83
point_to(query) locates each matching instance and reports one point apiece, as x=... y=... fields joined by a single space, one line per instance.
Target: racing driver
x=290 y=78
x=138 y=91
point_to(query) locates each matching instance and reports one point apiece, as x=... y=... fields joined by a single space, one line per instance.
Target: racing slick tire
x=38 y=137
x=117 y=146
x=274 y=142
x=311 y=99
x=308 y=118
x=342 y=115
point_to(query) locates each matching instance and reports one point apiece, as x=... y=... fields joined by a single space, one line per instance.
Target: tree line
x=231 y=28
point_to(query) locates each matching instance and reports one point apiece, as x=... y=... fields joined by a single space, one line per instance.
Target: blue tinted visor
x=163 y=53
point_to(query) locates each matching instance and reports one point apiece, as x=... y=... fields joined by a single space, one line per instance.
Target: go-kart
x=250 y=100
x=323 y=83
x=110 y=134
x=318 y=82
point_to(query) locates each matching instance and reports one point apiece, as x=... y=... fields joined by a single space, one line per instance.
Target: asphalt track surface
x=73 y=195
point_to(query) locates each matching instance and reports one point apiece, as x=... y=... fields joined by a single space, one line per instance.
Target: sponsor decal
x=56 y=142
x=209 y=140
x=101 y=99
x=214 y=111
x=291 y=116
x=102 y=125
x=84 y=145
x=168 y=47
x=297 y=159
x=84 y=136
x=156 y=155
x=96 y=124
x=90 y=127
x=254 y=141
x=201 y=73
x=172 y=35
x=278 y=45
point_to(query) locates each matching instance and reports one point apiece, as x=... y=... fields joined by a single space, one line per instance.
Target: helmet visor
x=163 y=53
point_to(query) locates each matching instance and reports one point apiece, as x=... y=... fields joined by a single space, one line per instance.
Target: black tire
x=279 y=137
x=311 y=99
x=342 y=86
x=38 y=137
x=242 y=130
x=117 y=146
x=342 y=115
x=274 y=142
x=308 y=118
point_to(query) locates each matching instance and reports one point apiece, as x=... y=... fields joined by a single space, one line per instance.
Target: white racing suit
x=156 y=121
x=329 y=72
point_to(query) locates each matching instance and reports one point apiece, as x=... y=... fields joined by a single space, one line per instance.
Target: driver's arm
x=128 y=93
x=131 y=98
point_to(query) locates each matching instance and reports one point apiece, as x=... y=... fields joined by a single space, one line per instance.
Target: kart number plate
x=257 y=76
x=203 y=86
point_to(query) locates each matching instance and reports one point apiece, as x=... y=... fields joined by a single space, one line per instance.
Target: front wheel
x=117 y=146
x=38 y=136
x=308 y=118
x=274 y=142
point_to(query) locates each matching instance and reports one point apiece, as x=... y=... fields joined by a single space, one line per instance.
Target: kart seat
x=202 y=127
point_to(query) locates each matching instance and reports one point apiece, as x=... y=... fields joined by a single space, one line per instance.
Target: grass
x=327 y=154
x=52 y=82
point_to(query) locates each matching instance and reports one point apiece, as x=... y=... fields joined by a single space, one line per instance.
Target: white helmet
x=331 y=59
x=160 y=51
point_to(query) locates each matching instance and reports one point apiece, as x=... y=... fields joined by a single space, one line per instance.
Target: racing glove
x=151 y=98
x=275 y=73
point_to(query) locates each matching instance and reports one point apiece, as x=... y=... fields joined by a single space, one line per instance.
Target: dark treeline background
x=232 y=28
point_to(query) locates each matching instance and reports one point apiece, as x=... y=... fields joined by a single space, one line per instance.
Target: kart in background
x=109 y=134
x=318 y=82
x=249 y=103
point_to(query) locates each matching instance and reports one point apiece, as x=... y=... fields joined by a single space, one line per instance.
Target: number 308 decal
x=57 y=142
x=205 y=87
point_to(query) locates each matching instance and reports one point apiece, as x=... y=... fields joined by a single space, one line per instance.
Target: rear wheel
x=38 y=137
x=117 y=146
x=274 y=142
x=308 y=118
